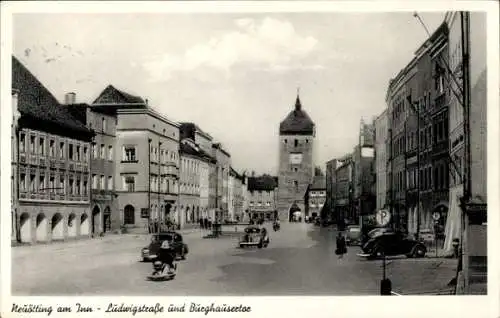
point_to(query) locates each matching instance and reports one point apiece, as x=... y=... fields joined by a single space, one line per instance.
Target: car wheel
x=241 y=245
x=418 y=251
x=260 y=244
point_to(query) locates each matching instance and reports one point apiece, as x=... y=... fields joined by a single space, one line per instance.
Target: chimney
x=69 y=98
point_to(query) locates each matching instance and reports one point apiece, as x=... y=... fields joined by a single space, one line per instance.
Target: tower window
x=296 y=142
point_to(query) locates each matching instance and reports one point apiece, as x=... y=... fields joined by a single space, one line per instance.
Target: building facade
x=105 y=216
x=456 y=131
x=296 y=167
x=262 y=196
x=222 y=169
x=52 y=165
x=331 y=166
x=343 y=190
x=147 y=161
x=440 y=154
x=364 y=174
x=381 y=129
x=189 y=187
x=315 y=197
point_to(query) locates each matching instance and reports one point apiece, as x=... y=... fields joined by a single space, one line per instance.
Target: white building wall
x=381 y=129
x=230 y=199
x=204 y=187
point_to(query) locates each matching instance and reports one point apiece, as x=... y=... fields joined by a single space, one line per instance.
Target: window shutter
x=123 y=154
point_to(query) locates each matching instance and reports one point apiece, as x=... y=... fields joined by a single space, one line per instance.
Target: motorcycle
x=163 y=271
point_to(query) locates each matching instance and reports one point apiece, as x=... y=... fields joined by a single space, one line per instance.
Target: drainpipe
x=159 y=184
x=149 y=179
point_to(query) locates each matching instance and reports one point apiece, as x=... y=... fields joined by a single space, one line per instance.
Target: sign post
x=383 y=217
x=436 y=216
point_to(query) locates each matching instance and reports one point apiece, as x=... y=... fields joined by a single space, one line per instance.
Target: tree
x=318 y=171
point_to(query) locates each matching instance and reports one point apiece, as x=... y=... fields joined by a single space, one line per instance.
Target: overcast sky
x=235 y=75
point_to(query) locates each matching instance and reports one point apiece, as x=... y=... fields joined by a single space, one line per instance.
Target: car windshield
x=378 y=232
x=163 y=237
x=354 y=229
x=252 y=230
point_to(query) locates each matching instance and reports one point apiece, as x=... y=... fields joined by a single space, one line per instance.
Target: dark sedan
x=175 y=239
x=390 y=244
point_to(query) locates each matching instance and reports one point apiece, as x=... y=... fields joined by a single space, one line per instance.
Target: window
x=94 y=151
x=286 y=141
x=110 y=152
x=129 y=215
x=62 y=185
x=52 y=184
x=71 y=186
x=296 y=185
x=22 y=183
x=110 y=183
x=52 y=150
x=32 y=144
x=78 y=188
x=296 y=142
x=85 y=150
x=22 y=143
x=94 y=181
x=32 y=183
x=129 y=183
x=102 y=152
x=85 y=188
x=41 y=148
x=41 y=184
x=103 y=182
x=104 y=128
x=78 y=158
x=129 y=154
x=70 y=152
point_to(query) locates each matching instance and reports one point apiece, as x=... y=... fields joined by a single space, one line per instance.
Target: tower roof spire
x=298 y=105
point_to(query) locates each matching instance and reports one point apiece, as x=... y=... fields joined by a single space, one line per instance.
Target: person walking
x=341 y=245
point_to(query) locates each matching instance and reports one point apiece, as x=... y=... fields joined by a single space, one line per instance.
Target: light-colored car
x=254 y=236
x=427 y=235
x=353 y=235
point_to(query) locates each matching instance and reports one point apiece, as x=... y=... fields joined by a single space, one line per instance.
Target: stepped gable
x=297 y=122
x=40 y=110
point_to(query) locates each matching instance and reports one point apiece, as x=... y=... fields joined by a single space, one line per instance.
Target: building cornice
x=148 y=111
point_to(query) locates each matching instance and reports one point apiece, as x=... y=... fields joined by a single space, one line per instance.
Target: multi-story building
x=398 y=110
x=147 y=165
x=52 y=164
x=364 y=175
x=222 y=169
x=208 y=182
x=189 y=188
x=230 y=197
x=456 y=130
x=473 y=278
x=315 y=197
x=381 y=129
x=296 y=142
x=331 y=166
x=343 y=189
x=105 y=216
x=440 y=127
x=262 y=196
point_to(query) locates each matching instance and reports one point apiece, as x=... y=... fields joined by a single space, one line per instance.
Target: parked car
x=254 y=236
x=391 y=244
x=427 y=235
x=374 y=232
x=175 y=239
x=353 y=236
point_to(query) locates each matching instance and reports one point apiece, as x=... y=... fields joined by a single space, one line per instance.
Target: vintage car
x=255 y=236
x=374 y=233
x=175 y=239
x=390 y=244
x=353 y=235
